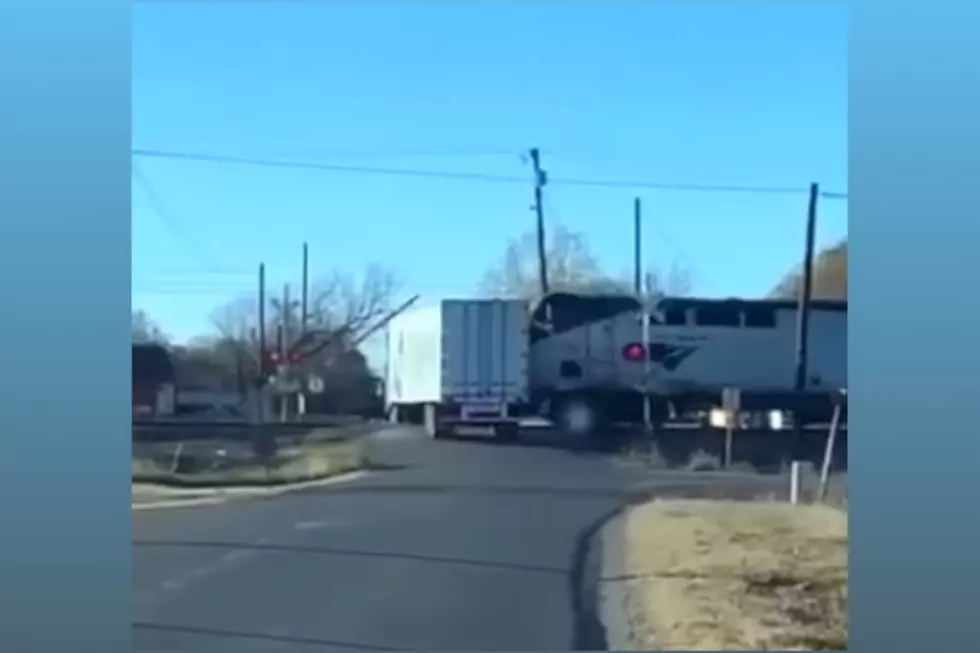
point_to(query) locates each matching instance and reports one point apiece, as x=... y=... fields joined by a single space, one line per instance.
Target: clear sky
x=688 y=93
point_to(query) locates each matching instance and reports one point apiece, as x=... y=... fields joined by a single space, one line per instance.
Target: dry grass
x=702 y=461
x=310 y=461
x=737 y=576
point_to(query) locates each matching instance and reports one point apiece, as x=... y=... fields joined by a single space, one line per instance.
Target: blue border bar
x=64 y=440
x=64 y=433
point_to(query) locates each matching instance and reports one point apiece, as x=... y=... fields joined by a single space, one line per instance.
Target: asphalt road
x=456 y=545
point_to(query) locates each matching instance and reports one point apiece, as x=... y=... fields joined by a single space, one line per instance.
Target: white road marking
x=181 y=581
x=237 y=554
x=314 y=525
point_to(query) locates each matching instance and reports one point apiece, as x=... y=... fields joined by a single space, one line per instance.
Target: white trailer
x=461 y=362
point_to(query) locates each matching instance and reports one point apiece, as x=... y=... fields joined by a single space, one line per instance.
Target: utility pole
x=644 y=299
x=284 y=341
x=540 y=179
x=802 y=339
x=263 y=367
x=637 y=248
x=304 y=316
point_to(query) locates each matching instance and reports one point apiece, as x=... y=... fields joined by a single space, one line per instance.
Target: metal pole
x=306 y=289
x=828 y=453
x=284 y=352
x=263 y=371
x=645 y=321
x=637 y=248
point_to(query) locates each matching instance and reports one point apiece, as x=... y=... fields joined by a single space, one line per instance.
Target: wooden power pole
x=540 y=179
x=803 y=339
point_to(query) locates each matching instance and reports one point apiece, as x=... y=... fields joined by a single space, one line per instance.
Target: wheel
x=508 y=432
x=433 y=428
x=577 y=417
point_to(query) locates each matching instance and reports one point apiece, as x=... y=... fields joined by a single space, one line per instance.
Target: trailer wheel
x=508 y=432
x=394 y=417
x=430 y=420
x=577 y=417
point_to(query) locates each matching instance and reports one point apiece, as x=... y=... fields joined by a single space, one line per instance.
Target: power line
x=184 y=271
x=190 y=283
x=326 y=167
x=223 y=292
x=159 y=207
x=472 y=176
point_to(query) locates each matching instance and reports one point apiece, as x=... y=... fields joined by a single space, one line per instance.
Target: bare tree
x=337 y=300
x=340 y=300
x=571 y=267
x=145 y=329
x=341 y=308
x=236 y=319
x=829 y=276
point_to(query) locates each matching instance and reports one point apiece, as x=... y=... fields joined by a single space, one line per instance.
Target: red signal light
x=658 y=351
x=634 y=352
x=274 y=356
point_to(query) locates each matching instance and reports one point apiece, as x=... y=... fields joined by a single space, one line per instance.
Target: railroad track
x=175 y=430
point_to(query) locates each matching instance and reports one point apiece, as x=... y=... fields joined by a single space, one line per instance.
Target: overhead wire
x=163 y=213
x=472 y=176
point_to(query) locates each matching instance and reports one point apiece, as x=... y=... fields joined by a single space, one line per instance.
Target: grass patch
x=699 y=460
x=306 y=462
x=702 y=461
x=725 y=575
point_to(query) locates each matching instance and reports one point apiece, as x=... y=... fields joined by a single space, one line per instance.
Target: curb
x=223 y=495
x=613 y=595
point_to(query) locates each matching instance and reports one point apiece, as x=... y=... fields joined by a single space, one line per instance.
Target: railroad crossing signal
x=315 y=385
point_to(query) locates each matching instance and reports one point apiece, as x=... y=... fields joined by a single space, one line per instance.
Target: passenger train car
x=591 y=364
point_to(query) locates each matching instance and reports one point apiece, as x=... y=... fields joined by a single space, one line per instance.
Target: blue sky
x=729 y=94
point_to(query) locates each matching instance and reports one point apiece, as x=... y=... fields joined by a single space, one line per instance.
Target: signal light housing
x=634 y=352
x=658 y=351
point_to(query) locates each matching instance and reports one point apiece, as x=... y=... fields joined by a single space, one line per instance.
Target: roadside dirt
x=725 y=575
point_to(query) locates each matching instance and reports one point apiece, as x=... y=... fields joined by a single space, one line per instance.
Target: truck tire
x=578 y=417
x=431 y=423
x=508 y=432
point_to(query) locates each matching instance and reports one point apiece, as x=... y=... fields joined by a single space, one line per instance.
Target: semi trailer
x=462 y=362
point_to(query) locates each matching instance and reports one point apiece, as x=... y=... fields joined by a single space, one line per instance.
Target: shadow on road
x=542 y=438
x=145 y=626
x=316 y=550
x=767 y=452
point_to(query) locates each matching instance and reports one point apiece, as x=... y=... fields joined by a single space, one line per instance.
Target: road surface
x=454 y=545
